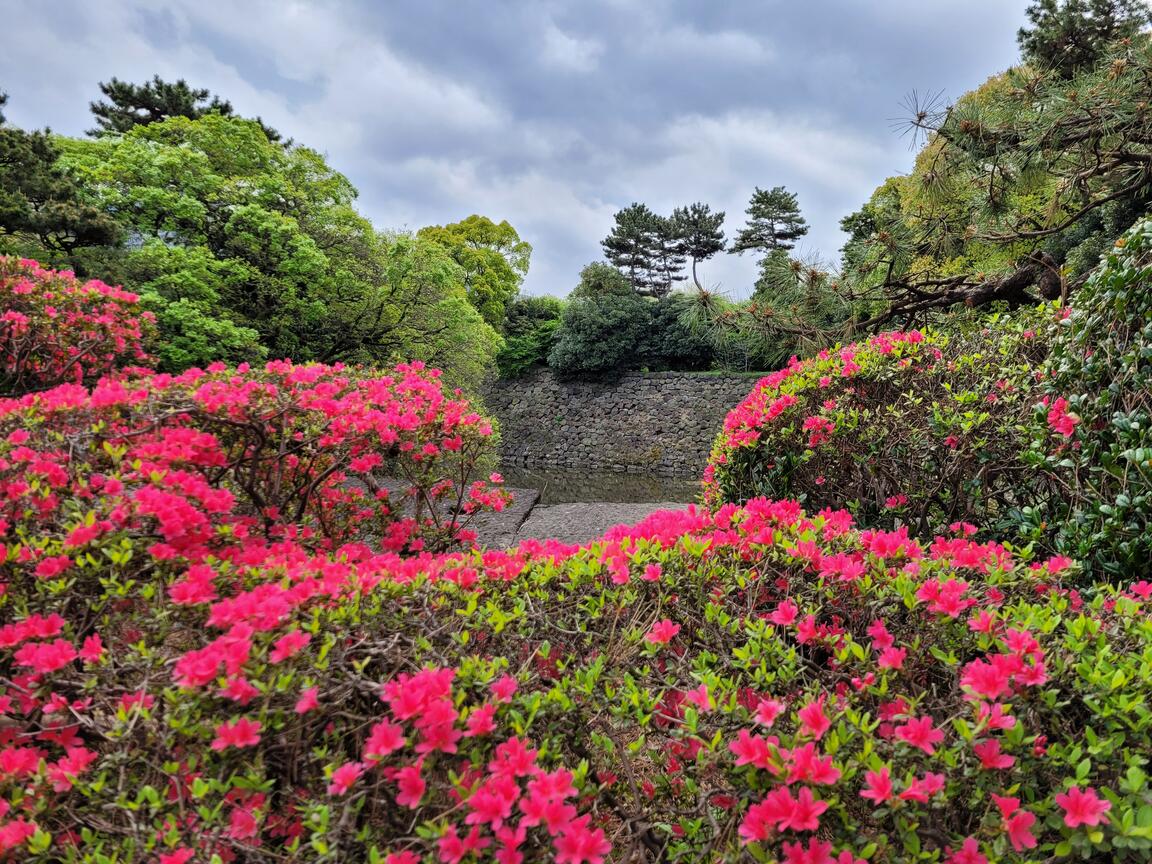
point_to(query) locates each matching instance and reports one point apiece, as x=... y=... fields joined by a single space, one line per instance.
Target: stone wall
x=658 y=422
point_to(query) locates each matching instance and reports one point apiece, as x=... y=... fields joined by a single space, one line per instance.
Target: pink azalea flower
x=1083 y=807
x=968 y=853
x=878 y=786
x=920 y=732
x=309 y=699
x=504 y=688
x=239 y=733
x=344 y=777
x=662 y=632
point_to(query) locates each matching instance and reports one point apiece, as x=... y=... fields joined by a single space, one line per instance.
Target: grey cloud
x=549 y=114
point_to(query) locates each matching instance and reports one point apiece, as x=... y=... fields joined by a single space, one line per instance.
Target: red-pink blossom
x=1083 y=807
x=662 y=632
x=241 y=732
x=344 y=777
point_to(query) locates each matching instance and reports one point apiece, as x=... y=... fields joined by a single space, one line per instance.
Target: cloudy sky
x=550 y=114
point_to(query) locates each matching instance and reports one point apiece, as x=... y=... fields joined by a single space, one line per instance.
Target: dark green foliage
x=1070 y=36
x=602 y=325
x=42 y=211
x=669 y=343
x=132 y=105
x=774 y=222
x=668 y=256
x=526 y=314
x=3 y=102
x=1081 y=247
x=1101 y=363
x=600 y=334
x=522 y=353
x=650 y=249
x=607 y=327
x=530 y=326
x=700 y=232
x=599 y=279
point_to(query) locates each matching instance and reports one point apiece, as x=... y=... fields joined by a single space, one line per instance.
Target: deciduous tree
x=251 y=249
x=493 y=258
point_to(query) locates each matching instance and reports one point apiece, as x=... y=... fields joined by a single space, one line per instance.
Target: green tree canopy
x=600 y=280
x=701 y=233
x=601 y=334
x=1022 y=184
x=248 y=249
x=1070 y=36
x=132 y=105
x=668 y=254
x=530 y=326
x=525 y=314
x=491 y=255
x=774 y=222
x=423 y=313
x=602 y=325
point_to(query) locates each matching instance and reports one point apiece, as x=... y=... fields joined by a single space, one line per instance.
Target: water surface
x=559 y=486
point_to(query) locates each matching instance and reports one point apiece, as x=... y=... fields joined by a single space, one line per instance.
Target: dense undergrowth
x=224 y=638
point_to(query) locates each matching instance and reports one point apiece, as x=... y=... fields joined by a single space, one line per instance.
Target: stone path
x=568 y=523
x=580 y=523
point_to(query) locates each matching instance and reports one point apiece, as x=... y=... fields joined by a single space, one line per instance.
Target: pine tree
x=1070 y=36
x=633 y=246
x=140 y=104
x=668 y=256
x=42 y=205
x=774 y=222
x=3 y=102
x=700 y=232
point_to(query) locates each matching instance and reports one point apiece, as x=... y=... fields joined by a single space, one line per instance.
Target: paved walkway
x=568 y=523
x=581 y=523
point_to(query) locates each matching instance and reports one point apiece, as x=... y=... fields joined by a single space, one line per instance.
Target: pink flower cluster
x=56 y=329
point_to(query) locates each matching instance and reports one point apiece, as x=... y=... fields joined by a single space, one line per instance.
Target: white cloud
x=703 y=47
x=562 y=50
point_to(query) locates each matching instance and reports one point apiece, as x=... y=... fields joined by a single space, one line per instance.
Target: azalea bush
x=1100 y=388
x=319 y=454
x=759 y=682
x=55 y=328
x=922 y=429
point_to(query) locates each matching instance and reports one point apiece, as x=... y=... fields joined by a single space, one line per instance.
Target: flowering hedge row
x=701 y=687
x=56 y=329
x=922 y=429
x=127 y=508
x=1035 y=426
